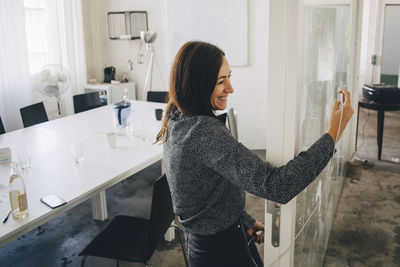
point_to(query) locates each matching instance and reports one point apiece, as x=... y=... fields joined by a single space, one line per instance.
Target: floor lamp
x=148 y=37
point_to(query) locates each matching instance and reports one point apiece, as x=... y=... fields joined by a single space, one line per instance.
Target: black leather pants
x=228 y=248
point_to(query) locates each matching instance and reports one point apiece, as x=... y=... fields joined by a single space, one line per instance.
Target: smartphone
x=342 y=98
x=53 y=201
x=342 y=95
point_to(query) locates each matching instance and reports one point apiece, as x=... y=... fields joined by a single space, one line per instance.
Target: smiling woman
x=208 y=170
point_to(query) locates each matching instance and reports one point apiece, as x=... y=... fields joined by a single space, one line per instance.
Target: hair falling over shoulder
x=163 y=133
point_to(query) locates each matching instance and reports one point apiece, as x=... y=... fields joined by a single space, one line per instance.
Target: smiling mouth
x=222 y=98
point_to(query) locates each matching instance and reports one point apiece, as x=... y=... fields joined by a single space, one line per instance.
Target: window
x=36 y=22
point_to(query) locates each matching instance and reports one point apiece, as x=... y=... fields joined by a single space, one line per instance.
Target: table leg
x=99 y=206
x=381 y=119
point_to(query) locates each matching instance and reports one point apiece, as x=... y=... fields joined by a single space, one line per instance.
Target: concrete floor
x=366 y=230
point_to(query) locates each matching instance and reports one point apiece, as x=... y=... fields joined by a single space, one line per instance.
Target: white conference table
x=53 y=170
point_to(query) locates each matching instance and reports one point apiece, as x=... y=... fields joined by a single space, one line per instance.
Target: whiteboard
x=220 y=22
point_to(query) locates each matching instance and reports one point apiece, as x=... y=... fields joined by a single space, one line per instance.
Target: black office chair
x=86 y=101
x=134 y=239
x=157 y=96
x=2 y=131
x=33 y=114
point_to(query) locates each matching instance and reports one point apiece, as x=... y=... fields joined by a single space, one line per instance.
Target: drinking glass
x=77 y=152
x=112 y=139
x=158 y=112
x=24 y=158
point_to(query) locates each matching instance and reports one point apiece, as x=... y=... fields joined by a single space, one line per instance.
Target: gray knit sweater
x=207 y=171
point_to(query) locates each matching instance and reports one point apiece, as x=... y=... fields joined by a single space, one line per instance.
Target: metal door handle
x=274 y=209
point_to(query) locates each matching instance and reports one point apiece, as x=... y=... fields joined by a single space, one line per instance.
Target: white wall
x=369 y=34
x=250 y=82
x=391 y=41
x=102 y=52
x=371 y=40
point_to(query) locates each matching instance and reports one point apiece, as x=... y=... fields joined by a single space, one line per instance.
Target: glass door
x=324 y=60
x=326 y=67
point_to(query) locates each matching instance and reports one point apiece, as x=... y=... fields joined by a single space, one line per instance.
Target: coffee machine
x=109 y=74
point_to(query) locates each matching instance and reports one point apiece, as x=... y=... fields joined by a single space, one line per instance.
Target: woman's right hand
x=334 y=120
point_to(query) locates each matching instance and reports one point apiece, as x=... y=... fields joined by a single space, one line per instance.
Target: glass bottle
x=17 y=192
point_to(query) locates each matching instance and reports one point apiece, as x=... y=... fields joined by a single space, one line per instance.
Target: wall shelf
x=126 y=25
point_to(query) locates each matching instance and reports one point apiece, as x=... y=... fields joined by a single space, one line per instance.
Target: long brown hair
x=193 y=76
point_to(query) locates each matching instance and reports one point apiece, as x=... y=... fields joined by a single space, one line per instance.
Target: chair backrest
x=33 y=114
x=2 y=131
x=232 y=125
x=86 y=101
x=157 y=96
x=162 y=213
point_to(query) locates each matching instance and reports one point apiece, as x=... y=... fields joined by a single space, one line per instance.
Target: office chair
x=232 y=124
x=33 y=114
x=2 y=131
x=86 y=101
x=135 y=239
x=157 y=96
x=229 y=119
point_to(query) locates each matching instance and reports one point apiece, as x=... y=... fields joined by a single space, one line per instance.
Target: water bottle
x=17 y=192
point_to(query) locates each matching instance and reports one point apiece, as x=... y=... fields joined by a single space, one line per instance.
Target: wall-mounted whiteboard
x=223 y=23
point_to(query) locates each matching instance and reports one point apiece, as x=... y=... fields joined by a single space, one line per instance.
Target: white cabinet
x=112 y=93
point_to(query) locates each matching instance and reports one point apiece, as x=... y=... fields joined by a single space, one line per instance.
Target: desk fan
x=52 y=80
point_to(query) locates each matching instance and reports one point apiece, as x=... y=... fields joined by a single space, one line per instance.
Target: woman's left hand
x=258 y=226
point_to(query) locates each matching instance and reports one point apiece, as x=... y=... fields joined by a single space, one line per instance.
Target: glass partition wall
x=318 y=55
x=325 y=69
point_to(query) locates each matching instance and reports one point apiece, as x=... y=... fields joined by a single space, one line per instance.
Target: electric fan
x=52 y=80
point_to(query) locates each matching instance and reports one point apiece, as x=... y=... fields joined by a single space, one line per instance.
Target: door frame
x=284 y=76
